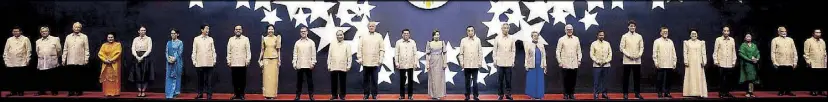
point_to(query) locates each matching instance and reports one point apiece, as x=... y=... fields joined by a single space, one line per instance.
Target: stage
x=130 y=96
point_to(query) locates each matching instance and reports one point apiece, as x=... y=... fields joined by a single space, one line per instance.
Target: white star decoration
x=346 y=5
x=320 y=9
x=292 y=6
x=417 y=73
x=496 y=8
x=589 y=20
x=271 y=17
x=594 y=4
x=416 y=76
x=493 y=26
x=525 y=33
x=327 y=34
x=387 y=60
x=566 y=6
x=365 y=9
x=492 y=68
x=559 y=16
x=262 y=4
x=198 y=3
x=240 y=3
x=451 y=53
x=619 y=4
x=658 y=3
x=301 y=18
x=450 y=76
x=345 y=18
x=514 y=18
x=384 y=75
x=481 y=78
x=538 y=9
x=362 y=28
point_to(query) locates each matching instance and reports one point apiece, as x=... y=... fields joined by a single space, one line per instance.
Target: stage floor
x=289 y=97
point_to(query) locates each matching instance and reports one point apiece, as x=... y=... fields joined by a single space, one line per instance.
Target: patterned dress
x=174 y=70
x=110 y=76
x=436 y=69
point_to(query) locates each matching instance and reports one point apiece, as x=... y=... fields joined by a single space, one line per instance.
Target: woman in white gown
x=695 y=84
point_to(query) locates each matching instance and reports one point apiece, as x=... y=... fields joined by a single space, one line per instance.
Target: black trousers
x=406 y=75
x=665 y=75
x=45 y=80
x=785 y=78
x=302 y=75
x=16 y=83
x=239 y=80
x=369 y=80
x=821 y=83
x=72 y=73
x=570 y=77
x=470 y=75
x=728 y=79
x=205 y=80
x=338 y=81
x=505 y=81
x=633 y=70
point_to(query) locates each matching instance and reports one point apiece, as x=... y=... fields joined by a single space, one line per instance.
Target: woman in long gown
x=269 y=61
x=536 y=68
x=435 y=55
x=110 y=55
x=750 y=56
x=174 y=65
x=695 y=57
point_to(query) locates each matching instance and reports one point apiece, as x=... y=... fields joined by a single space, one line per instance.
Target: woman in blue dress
x=536 y=67
x=174 y=66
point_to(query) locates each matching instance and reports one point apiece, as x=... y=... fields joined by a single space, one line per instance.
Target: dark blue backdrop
x=124 y=17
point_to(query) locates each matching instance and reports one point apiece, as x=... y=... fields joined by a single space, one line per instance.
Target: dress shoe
x=813 y=93
x=509 y=97
x=780 y=93
x=209 y=96
x=296 y=98
x=71 y=94
x=667 y=95
x=499 y=97
x=79 y=93
x=200 y=96
x=595 y=96
x=605 y=96
x=476 y=98
x=310 y=96
x=660 y=95
x=410 y=98
x=365 y=98
x=54 y=93
x=626 y=97
x=334 y=97
x=401 y=98
x=566 y=96
x=241 y=98
x=467 y=98
x=638 y=96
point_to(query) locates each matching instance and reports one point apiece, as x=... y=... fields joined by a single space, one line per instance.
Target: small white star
x=559 y=16
x=365 y=9
x=481 y=78
x=525 y=32
x=327 y=34
x=262 y=4
x=450 y=76
x=240 y=3
x=594 y=4
x=292 y=6
x=493 y=26
x=618 y=3
x=658 y=3
x=416 y=76
x=346 y=5
x=451 y=53
x=589 y=20
x=198 y=3
x=497 y=8
x=320 y=9
x=301 y=18
x=538 y=9
x=384 y=75
x=271 y=17
x=567 y=6
x=345 y=18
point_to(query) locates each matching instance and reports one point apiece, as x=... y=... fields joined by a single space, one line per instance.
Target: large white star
x=365 y=9
x=481 y=78
x=198 y=3
x=559 y=16
x=658 y=3
x=271 y=17
x=240 y=3
x=320 y=9
x=388 y=56
x=567 y=6
x=292 y=6
x=497 y=8
x=492 y=68
x=415 y=78
x=494 y=26
x=513 y=5
x=346 y=5
x=525 y=33
x=594 y=4
x=384 y=75
x=618 y=3
x=262 y=4
x=345 y=18
x=417 y=73
x=589 y=20
x=538 y=9
x=451 y=53
x=450 y=76
x=362 y=29
x=327 y=34
x=301 y=18
x=514 y=18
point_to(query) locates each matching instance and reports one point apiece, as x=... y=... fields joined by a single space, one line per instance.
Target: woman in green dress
x=749 y=54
